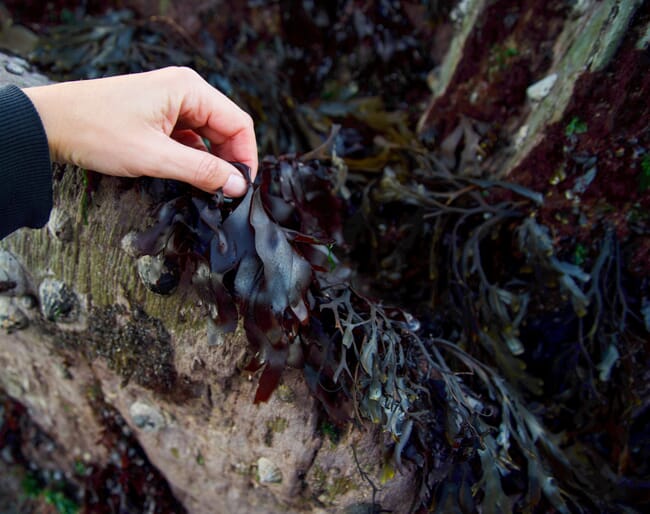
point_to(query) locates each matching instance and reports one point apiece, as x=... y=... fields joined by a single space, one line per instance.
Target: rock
x=19 y=40
x=58 y=302
x=26 y=302
x=13 y=279
x=146 y=417
x=268 y=472
x=580 y=7
x=208 y=453
x=16 y=70
x=158 y=274
x=540 y=90
x=11 y=317
x=362 y=508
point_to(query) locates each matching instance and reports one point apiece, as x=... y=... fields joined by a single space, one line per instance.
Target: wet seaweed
x=245 y=264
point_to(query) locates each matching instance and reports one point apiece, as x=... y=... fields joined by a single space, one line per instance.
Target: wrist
x=46 y=104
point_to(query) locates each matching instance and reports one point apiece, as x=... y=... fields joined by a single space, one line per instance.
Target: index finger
x=229 y=128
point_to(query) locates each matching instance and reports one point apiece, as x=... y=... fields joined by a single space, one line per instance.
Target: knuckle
x=248 y=122
x=181 y=73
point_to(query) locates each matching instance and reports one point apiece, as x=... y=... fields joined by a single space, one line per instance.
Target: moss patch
x=135 y=345
x=276 y=425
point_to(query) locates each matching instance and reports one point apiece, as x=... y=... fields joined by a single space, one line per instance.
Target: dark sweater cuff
x=25 y=167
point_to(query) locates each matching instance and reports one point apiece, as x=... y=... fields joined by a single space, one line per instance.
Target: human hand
x=149 y=124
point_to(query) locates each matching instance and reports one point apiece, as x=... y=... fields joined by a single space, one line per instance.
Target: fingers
x=189 y=138
x=240 y=146
x=217 y=118
x=156 y=121
x=197 y=167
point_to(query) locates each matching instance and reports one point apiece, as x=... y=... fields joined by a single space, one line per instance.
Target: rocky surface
x=188 y=404
x=74 y=329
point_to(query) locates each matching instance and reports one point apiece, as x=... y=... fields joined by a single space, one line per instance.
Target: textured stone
x=13 y=279
x=11 y=316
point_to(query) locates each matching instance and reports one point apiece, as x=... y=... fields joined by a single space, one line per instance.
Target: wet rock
x=58 y=302
x=268 y=472
x=540 y=90
x=215 y=334
x=13 y=279
x=158 y=274
x=580 y=7
x=60 y=225
x=27 y=302
x=11 y=316
x=521 y=135
x=362 y=508
x=146 y=417
x=14 y=68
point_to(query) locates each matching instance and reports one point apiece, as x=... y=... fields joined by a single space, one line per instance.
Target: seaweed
x=493 y=271
x=366 y=361
x=472 y=433
x=244 y=263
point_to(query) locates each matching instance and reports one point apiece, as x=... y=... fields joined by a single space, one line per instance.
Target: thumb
x=198 y=168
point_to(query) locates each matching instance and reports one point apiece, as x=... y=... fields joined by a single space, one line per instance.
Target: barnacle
x=158 y=274
x=58 y=301
x=268 y=472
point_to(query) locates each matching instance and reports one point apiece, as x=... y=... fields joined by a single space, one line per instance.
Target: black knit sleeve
x=25 y=168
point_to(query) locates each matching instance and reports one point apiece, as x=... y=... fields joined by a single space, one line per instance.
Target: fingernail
x=235 y=185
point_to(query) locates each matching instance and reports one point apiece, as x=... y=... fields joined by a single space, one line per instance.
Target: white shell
x=267 y=472
x=60 y=225
x=540 y=90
